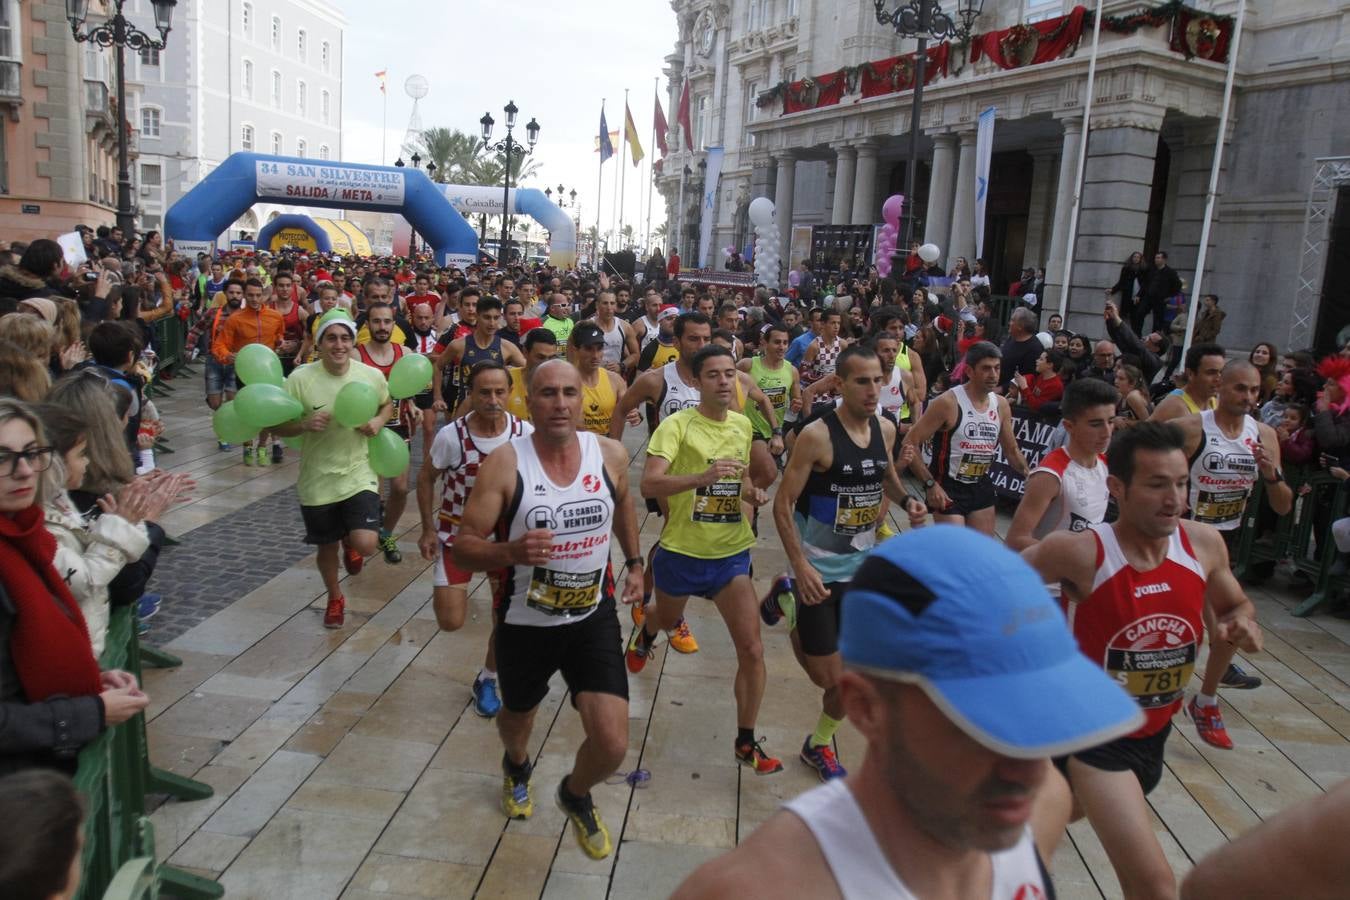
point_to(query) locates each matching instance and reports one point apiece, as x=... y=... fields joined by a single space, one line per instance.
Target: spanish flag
x=630 y=134
x=380 y=75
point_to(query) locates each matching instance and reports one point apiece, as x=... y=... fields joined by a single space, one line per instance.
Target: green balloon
x=229 y=427
x=256 y=364
x=356 y=404
x=411 y=375
x=388 y=454
x=265 y=405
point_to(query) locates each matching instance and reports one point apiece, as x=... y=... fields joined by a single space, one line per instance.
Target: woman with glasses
x=53 y=698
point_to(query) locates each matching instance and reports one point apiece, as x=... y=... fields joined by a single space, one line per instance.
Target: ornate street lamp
x=119 y=33
x=509 y=147
x=923 y=19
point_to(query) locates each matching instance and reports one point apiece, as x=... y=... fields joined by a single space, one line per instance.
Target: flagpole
x=1212 y=194
x=679 y=216
x=384 y=125
x=651 y=170
x=599 y=190
x=614 y=201
x=628 y=155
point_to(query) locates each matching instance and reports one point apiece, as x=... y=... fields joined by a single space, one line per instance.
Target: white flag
x=984 y=149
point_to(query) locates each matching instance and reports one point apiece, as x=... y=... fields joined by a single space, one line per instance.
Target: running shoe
x=222 y=446
x=823 y=760
x=485 y=700
x=248 y=455
x=392 y=555
x=352 y=561
x=1209 y=723
x=592 y=835
x=262 y=457
x=886 y=531
x=682 y=639
x=517 y=802
x=278 y=453
x=638 y=651
x=753 y=755
x=775 y=603
x=335 y=616
x=1237 y=677
x=147 y=606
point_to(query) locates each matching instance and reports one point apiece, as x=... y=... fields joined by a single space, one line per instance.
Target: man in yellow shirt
x=601 y=387
x=698 y=459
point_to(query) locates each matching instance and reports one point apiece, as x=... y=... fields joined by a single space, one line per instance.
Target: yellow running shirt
x=597 y=404
x=706 y=522
x=517 y=402
x=335 y=462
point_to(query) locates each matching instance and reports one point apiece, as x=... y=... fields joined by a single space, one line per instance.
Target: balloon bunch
x=264 y=403
x=890 y=233
x=764 y=218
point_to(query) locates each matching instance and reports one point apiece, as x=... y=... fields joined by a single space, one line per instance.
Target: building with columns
x=828 y=159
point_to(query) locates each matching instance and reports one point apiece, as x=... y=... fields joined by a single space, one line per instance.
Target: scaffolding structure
x=1330 y=174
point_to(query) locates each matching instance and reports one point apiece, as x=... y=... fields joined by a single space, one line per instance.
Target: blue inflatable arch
x=322 y=242
x=206 y=211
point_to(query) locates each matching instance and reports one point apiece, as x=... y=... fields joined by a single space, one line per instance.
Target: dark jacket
x=1208 y=325
x=1159 y=284
x=1332 y=432
x=49 y=733
x=1128 y=284
x=1129 y=344
x=18 y=284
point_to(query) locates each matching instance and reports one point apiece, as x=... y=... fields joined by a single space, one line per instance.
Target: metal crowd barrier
x=114 y=775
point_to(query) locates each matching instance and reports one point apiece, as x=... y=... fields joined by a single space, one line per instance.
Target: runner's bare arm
x=823 y=386
x=1067 y=557
x=744 y=364
x=1168 y=409
x=657 y=482
x=761 y=400
x=893 y=487
x=920 y=379
x=643 y=389
x=511 y=354
x=427 y=477
x=1008 y=441
x=1287 y=856
x=474 y=551
x=1234 y=613
x=811 y=450
x=1192 y=431
x=438 y=364
x=1278 y=493
x=1042 y=489
x=796 y=390
x=937 y=417
x=630 y=346
x=625 y=517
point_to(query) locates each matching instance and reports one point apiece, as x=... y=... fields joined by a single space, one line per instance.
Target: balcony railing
x=96 y=98
x=10 y=83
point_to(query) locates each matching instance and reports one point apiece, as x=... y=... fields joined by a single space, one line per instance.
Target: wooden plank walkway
x=350 y=764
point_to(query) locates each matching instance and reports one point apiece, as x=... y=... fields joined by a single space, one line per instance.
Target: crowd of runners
x=561 y=401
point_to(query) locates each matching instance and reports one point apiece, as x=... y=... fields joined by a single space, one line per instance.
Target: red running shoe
x=335 y=616
x=1209 y=723
x=352 y=561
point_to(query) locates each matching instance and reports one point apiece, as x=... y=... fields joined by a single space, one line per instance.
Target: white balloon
x=929 y=253
x=761 y=211
x=1046 y=340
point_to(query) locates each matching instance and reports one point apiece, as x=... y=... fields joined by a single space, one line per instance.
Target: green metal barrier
x=114 y=775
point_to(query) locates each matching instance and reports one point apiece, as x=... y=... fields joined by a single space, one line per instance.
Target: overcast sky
x=555 y=60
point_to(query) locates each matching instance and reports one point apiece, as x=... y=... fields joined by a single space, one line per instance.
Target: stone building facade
x=1152 y=133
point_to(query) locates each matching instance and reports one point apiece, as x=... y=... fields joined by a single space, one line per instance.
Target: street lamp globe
x=486 y=123
x=163 y=14
x=77 y=11
x=532 y=132
x=511 y=111
x=398 y=163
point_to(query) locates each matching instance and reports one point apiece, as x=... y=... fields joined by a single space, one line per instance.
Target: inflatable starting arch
x=205 y=212
x=532 y=202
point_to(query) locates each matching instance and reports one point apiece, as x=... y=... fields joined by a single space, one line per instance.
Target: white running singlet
x=1082 y=497
x=649 y=332
x=580 y=515
x=892 y=399
x=613 y=343
x=675 y=394
x=861 y=869
x=968 y=450
x=1223 y=471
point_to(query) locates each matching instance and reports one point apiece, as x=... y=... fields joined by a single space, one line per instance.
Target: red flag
x=682 y=116
x=661 y=127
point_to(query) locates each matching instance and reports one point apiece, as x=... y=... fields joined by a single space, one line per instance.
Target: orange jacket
x=266 y=326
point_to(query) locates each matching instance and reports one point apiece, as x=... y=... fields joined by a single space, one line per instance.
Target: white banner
x=301 y=182
x=190 y=249
x=984 y=149
x=705 y=223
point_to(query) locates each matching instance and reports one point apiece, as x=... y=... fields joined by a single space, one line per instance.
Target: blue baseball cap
x=968 y=621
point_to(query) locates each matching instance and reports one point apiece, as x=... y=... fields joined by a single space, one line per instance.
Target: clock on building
x=703 y=33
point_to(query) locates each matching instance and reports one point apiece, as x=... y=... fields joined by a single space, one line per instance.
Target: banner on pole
x=984 y=150
x=709 y=200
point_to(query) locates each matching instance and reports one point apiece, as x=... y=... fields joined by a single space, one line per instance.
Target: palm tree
x=628 y=236
x=455 y=153
x=490 y=168
x=660 y=232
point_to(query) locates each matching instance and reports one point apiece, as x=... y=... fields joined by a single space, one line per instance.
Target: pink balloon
x=892 y=209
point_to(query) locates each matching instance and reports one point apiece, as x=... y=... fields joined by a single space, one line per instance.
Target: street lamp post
x=922 y=19
x=119 y=33
x=508 y=147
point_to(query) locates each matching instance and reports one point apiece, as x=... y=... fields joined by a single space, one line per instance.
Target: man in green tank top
x=777 y=378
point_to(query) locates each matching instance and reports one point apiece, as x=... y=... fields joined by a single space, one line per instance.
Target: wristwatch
x=929 y=484
x=634 y=561
x=1279 y=477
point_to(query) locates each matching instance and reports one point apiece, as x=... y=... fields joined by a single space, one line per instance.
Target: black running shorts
x=967 y=498
x=589 y=654
x=818 y=625
x=1142 y=756
x=332 y=522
